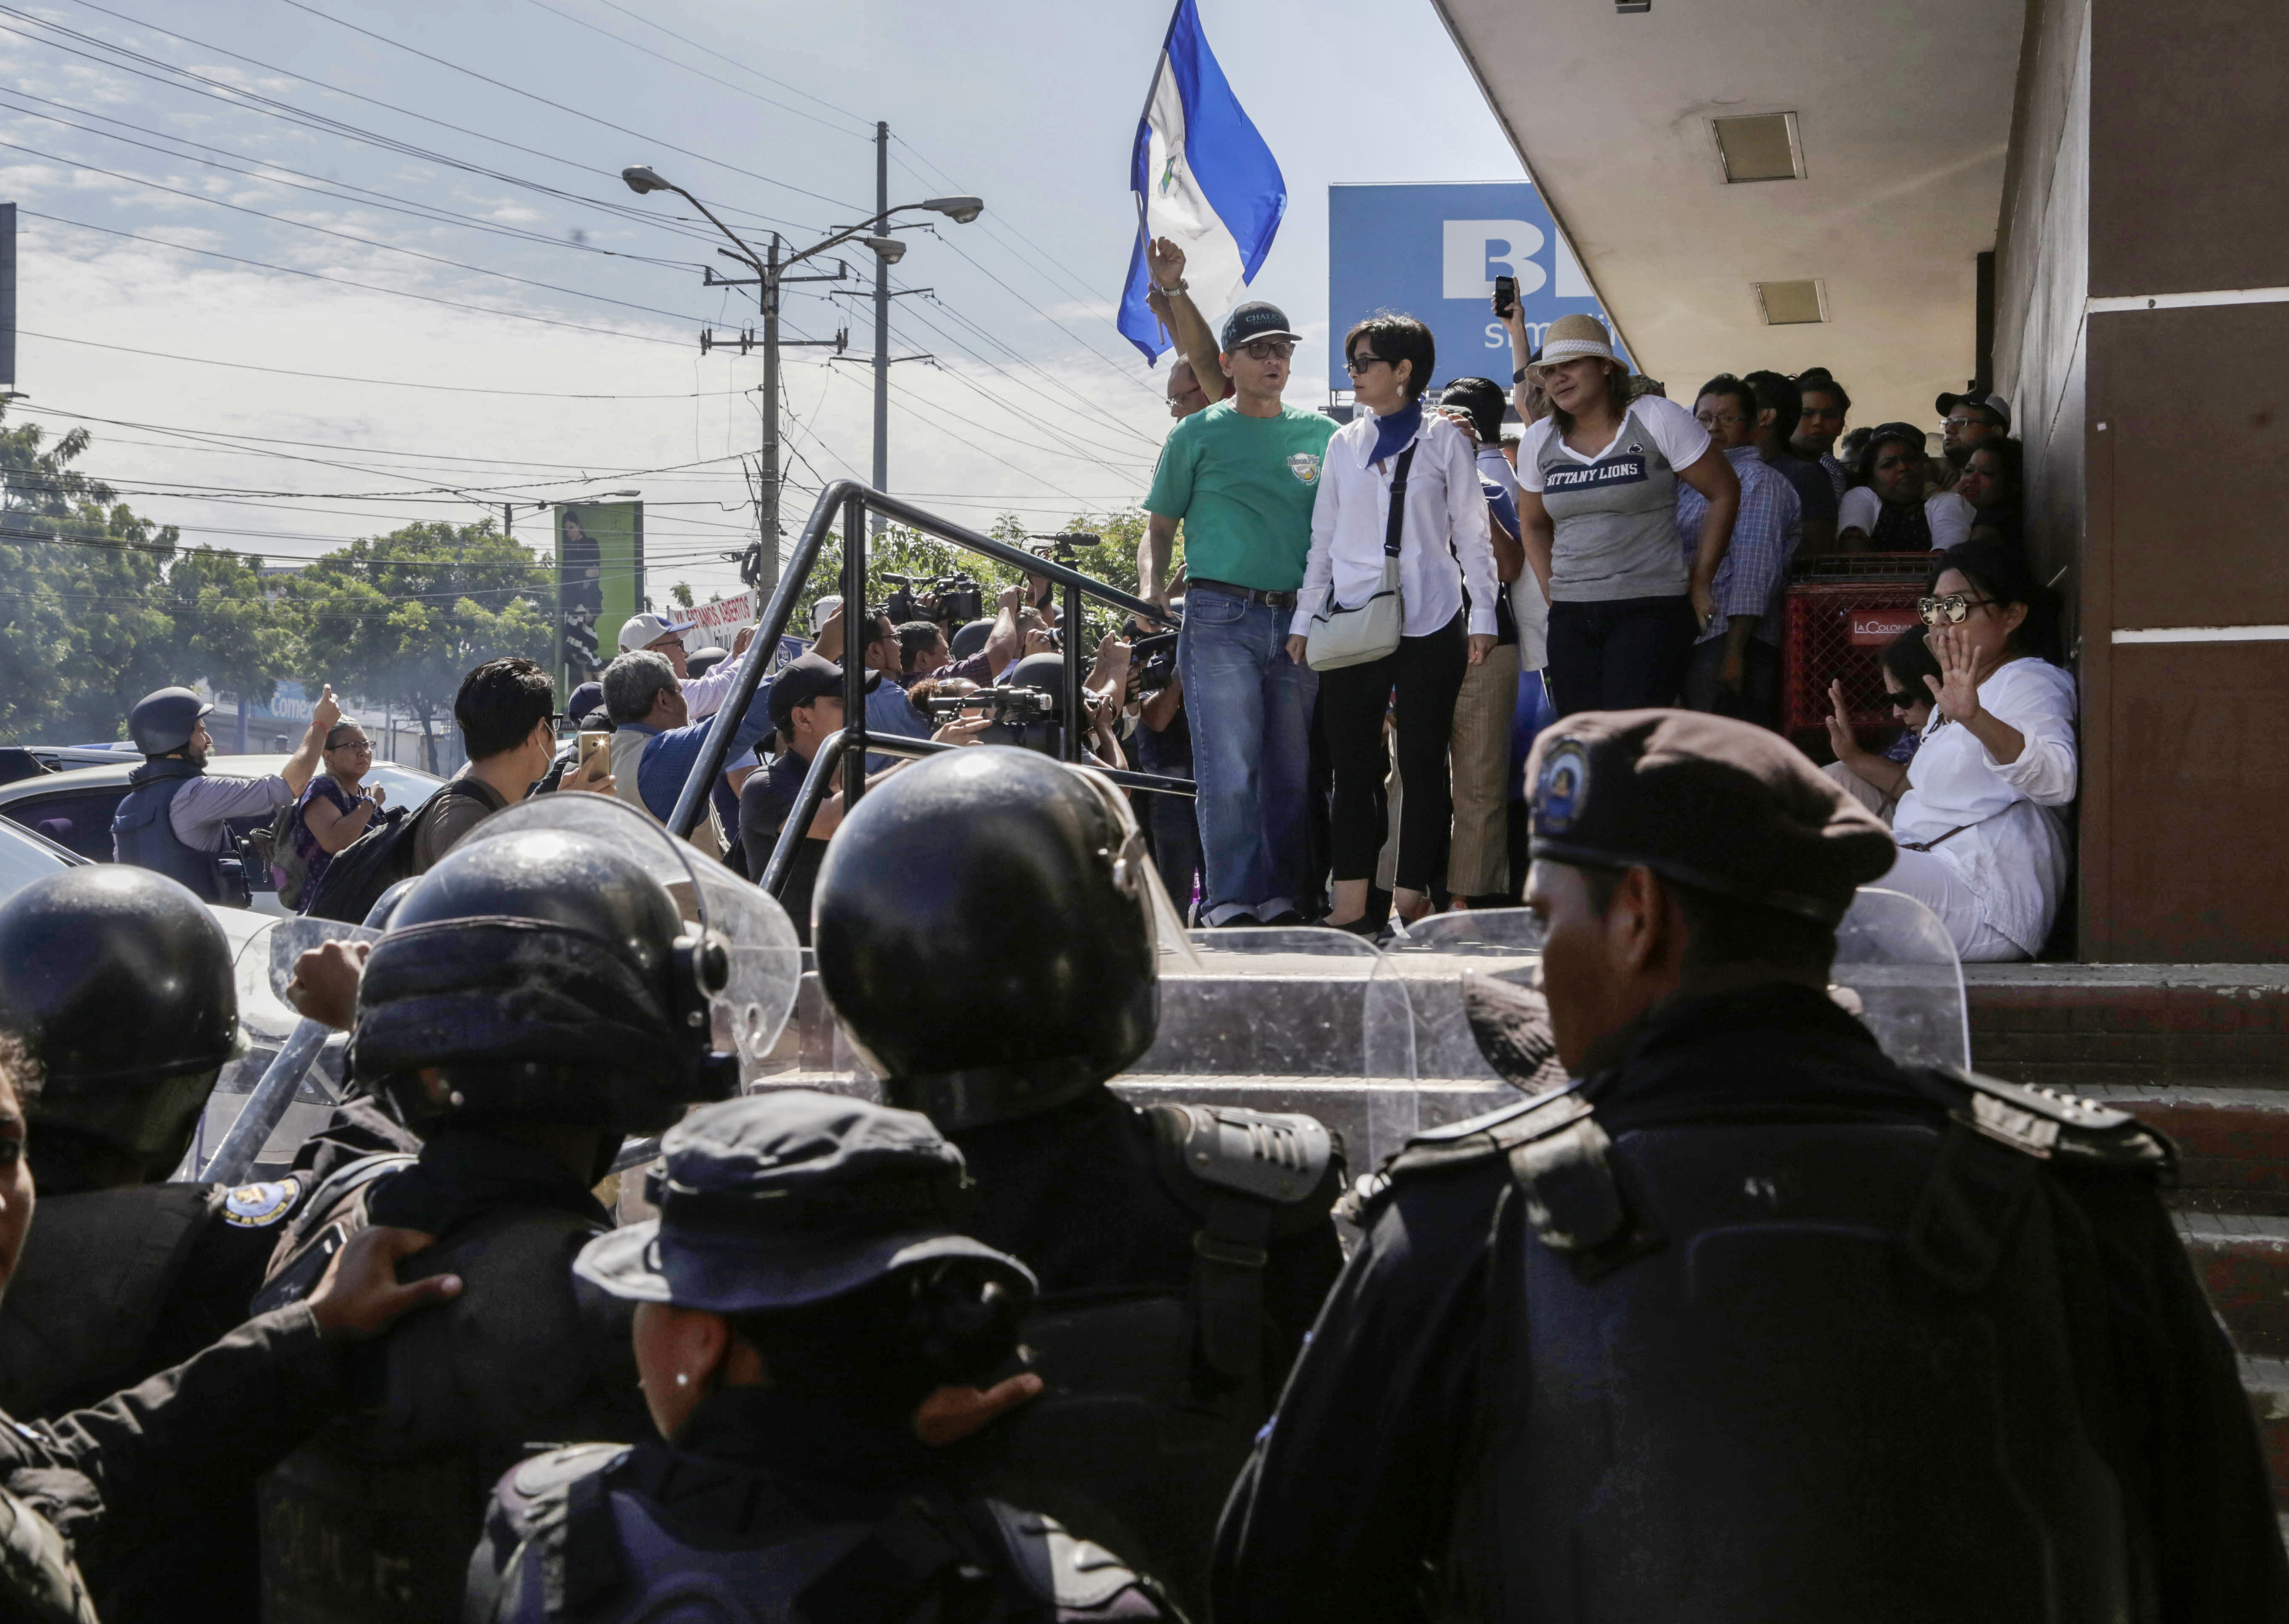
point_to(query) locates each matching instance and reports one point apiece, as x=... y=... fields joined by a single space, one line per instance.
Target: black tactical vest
x=143 y=834
x=1796 y=1369
x=1153 y=1401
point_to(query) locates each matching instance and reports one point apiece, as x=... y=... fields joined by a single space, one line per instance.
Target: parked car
x=74 y=807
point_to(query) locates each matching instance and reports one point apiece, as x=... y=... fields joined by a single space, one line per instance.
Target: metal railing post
x=1069 y=746
x=857 y=629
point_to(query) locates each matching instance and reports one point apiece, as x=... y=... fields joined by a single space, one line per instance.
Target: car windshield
x=23 y=860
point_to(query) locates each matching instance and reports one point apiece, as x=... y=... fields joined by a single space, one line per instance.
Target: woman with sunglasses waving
x=1875 y=779
x=1982 y=841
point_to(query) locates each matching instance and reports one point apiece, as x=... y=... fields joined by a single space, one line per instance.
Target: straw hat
x=1570 y=337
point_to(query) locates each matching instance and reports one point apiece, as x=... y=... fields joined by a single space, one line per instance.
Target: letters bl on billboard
x=1433 y=252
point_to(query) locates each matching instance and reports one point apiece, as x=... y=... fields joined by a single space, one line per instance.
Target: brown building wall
x=2144 y=155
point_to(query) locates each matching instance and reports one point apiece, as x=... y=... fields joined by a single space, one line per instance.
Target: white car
x=73 y=807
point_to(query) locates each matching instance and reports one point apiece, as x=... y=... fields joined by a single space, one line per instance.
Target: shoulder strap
x=1397 y=520
x=1241 y=1168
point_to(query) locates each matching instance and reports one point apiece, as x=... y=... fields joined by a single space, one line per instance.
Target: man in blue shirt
x=655 y=743
x=1736 y=666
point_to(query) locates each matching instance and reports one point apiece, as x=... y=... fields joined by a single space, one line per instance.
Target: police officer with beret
x=176 y=819
x=802 y=1295
x=986 y=932
x=537 y=996
x=1748 y=1322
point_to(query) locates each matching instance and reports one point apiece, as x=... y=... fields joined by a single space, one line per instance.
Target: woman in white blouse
x=1447 y=597
x=1982 y=840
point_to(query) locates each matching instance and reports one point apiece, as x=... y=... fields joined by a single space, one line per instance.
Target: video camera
x=1153 y=659
x=900 y=605
x=1015 y=705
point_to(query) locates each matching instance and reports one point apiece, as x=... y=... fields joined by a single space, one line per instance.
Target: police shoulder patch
x=258 y=1206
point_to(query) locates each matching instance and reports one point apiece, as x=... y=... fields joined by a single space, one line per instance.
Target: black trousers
x=1623 y=655
x=1424 y=673
x=1758 y=697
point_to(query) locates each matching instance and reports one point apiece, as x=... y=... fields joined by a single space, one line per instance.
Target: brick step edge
x=2232 y=1140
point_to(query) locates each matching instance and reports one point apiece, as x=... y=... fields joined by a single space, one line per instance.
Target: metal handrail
x=851 y=746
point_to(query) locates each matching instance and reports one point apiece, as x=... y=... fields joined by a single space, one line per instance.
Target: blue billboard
x=1433 y=252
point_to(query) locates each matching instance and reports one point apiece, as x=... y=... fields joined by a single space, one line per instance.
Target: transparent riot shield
x=1896 y=969
x=1285 y=1020
x=278 y=1092
x=1431 y=957
x=762 y=961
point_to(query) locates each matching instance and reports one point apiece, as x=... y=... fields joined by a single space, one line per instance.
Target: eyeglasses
x=1721 y=420
x=666 y=643
x=1358 y=364
x=1954 y=608
x=353 y=744
x=1268 y=349
x=1902 y=701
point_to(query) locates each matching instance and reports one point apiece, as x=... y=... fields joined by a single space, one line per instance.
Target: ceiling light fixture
x=1760 y=146
x=1791 y=304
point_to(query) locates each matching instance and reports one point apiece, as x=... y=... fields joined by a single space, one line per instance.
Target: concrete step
x=2232 y=1140
x=2266 y=1381
x=2081 y=1026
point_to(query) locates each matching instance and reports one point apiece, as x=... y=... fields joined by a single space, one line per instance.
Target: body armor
x=142 y=834
x=607 y=1536
x=1153 y=1400
x=1742 y=1370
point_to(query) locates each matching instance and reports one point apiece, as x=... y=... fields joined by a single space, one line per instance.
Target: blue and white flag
x=1203 y=178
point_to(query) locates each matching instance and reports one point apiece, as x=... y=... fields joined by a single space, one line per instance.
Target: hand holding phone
x=1505 y=296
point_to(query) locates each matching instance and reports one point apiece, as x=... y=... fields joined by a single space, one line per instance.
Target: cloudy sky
x=401 y=226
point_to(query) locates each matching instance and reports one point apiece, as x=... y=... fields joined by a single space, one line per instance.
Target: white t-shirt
x=1675 y=430
x=1947 y=514
x=2012 y=850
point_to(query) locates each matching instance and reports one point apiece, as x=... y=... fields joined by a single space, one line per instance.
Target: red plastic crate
x=1837 y=629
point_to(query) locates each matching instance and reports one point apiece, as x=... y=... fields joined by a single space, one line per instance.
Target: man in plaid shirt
x=1736 y=666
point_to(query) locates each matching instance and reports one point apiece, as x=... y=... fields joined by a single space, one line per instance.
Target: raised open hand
x=1841 y=739
x=1956 y=688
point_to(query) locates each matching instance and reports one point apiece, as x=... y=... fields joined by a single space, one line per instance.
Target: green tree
x=400 y=619
x=84 y=630
x=228 y=625
x=681 y=592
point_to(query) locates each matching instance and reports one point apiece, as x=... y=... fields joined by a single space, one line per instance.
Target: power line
x=517 y=91
x=338 y=378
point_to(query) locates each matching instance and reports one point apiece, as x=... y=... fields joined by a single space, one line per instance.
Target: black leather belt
x=1273 y=600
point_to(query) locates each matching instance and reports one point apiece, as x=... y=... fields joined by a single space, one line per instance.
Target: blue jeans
x=1250 y=708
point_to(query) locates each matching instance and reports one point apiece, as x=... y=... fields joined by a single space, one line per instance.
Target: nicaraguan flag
x=1203 y=178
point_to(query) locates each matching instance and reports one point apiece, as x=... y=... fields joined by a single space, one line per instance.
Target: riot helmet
x=163 y=721
x=985 y=928
x=120 y=983
x=567 y=963
x=1044 y=674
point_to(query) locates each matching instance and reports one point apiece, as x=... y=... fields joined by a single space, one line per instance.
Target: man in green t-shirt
x=1241 y=476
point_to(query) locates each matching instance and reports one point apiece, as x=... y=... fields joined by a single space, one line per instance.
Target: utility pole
x=881 y=319
x=768 y=575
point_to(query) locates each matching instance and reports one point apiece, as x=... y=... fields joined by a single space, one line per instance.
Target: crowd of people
x=1612 y=550
x=1753 y=1314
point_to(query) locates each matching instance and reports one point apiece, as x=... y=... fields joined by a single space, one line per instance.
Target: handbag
x=1340 y=636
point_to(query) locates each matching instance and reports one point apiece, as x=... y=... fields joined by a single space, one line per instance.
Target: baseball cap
x=804 y=678
x=1720 y=805
x=1253 y=321
x=642 y=630
x=587 y=700
x=1976 y=395
x=786 y=1199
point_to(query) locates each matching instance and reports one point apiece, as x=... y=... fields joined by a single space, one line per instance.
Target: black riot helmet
x=164 y=722
x=984 y=930
x=1044 y=674
x=544 y=975
x=118 y=981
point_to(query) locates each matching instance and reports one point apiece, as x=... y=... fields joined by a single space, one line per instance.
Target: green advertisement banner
x=599 y=583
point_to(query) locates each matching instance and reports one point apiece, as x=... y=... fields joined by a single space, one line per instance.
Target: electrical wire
x=338 y=378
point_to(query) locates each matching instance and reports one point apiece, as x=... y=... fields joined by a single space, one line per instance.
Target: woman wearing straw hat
x=1597 y=499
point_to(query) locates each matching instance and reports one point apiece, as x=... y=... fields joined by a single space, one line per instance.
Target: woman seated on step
x=1876 y=779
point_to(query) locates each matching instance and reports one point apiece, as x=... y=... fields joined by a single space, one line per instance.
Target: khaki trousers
x=1478 y=863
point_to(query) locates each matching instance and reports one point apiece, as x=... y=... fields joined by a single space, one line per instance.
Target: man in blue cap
x=804 y=1301
x=1242 y=477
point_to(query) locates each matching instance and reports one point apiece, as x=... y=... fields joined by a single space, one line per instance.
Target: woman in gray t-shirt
x=1597 y=501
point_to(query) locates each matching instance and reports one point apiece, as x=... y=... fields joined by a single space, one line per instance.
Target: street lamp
x=771 y=271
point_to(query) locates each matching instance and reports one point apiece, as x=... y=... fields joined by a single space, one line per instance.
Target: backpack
x=271 y=849
x=377 y=860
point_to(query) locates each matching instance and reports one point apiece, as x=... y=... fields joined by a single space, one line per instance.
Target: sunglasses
x=1954 y=608
x=1902 y=701
x=1358 y=364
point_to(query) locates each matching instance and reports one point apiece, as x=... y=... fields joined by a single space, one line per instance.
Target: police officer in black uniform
x=119 y=984
x=1748 y=1322
x=802 y=1294
x=986 y=932
x=100 y=1487
x=537 y=997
